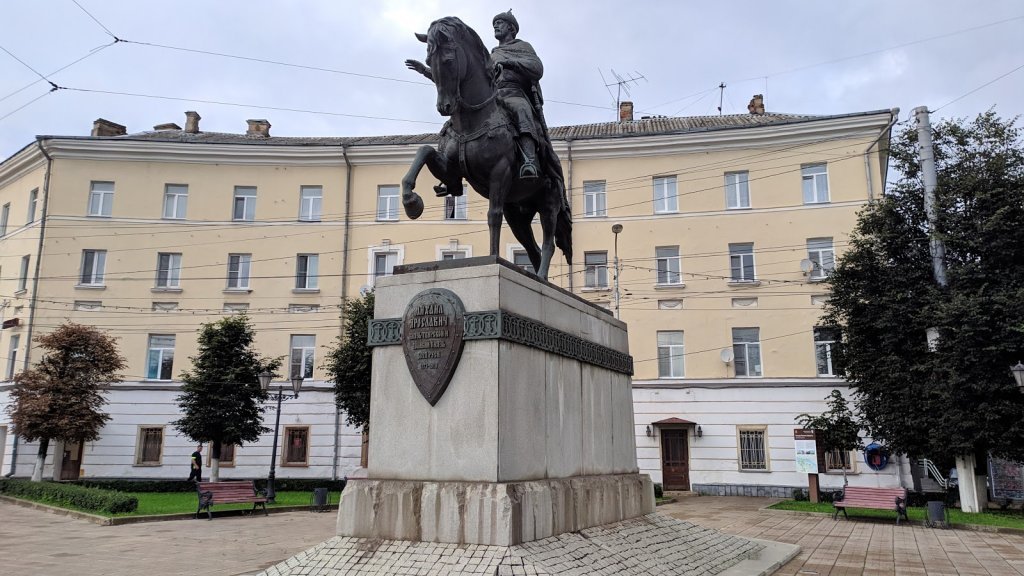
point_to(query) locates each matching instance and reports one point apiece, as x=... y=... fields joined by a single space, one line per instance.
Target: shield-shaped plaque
x=432 y=331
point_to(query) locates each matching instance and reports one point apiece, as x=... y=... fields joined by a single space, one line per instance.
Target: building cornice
x=717 y=383
x=194 y=153
x=26 y=160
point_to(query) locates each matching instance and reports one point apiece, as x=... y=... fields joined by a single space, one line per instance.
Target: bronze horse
x=478 y=144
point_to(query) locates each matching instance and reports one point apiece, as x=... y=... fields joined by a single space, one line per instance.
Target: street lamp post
x=616 y=228
x=1018 y=374
x=265 y=379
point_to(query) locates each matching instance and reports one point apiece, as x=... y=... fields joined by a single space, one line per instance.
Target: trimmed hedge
x=63 y=494
x=659 y=490
x=280 y=484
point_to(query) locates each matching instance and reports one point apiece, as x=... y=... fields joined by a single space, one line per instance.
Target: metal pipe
x=894 y=116
x=344 y=295
x=39 y=256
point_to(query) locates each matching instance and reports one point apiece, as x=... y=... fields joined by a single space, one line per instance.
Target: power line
x=26 y=105
x=92 y=52
x=94 y=19
x=966 y=94
x=23 y=63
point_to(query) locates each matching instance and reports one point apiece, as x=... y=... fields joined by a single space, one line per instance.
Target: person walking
x=196 y=465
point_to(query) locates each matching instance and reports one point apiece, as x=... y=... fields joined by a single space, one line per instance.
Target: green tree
x=221 y=400
x=838 y=428
x=349 y=362
x=61 y=397
x=959 y=398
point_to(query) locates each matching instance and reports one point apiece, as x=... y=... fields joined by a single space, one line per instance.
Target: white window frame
x=668 y=267
x=595 y=199
x=666 y=195
x=243 y=204
x=748 y=350
x=825 y=340
x=236 y=307
x=311 y=202
x=12 y=355
x=33 y=199
x=387 y=203
x=514 y=251
x=741 y=257
x=672 y=353
x=832 y=455
x=23 y=274
x=595 y=276
x=87 y=305
x=237 y=264
x=746 y=435
x=307 y=271
x=94 y=276
x=822 y=254
x=814 y=183
x=175 y=201
x=284 y=446
x=168 y=270
x=158 y=349
x=140 y=440
x=441 y=251
x=302 y=355
x=371 y=260
x=101 y=200
x=456 y=207
x=737 y=185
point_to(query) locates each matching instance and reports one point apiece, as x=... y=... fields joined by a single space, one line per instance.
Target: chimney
x=192 y=122
x=103 y=127
x=167 y=126
x=756 y=105
x=625 y=111
x=258 y=128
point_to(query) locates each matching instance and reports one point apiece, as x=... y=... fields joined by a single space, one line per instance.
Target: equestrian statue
x=496 y=137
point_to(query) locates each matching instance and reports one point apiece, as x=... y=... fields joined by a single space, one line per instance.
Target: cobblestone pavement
x=38 y=543
x=841 y=547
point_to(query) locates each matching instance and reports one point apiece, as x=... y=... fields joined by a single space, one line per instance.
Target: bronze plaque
x=432 y=331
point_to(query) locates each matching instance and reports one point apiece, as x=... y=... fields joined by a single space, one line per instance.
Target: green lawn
x=991 y=518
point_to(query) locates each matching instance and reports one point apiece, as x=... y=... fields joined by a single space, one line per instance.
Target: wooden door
x=675 y=460
x=71 y=462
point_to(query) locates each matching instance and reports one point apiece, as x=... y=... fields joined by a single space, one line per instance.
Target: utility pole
x=616 y=228
x=972 y=487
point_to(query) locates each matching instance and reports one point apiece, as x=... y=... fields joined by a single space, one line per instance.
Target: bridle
x=459 y=102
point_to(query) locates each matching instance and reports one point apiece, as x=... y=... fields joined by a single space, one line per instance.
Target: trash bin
x=318 y=501
x=937 y=514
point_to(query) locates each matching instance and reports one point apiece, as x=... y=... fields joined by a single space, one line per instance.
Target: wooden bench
x=231 y=492
x=894 y=499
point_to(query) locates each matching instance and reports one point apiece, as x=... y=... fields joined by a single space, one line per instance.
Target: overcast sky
x=810 y=57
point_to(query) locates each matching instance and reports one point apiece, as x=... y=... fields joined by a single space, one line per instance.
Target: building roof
x=647 y=126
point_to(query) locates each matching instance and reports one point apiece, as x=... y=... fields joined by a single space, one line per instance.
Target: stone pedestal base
x=489 y=513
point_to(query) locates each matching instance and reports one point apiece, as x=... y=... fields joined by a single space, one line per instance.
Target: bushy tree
x=349 y=362
x=959 y=398
x=838 y=428
x=221 y=400
x=61 y=397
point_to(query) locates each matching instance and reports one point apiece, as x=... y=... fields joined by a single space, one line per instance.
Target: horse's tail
x=563 y=226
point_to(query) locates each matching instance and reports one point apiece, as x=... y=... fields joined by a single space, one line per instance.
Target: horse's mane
x=457 y=30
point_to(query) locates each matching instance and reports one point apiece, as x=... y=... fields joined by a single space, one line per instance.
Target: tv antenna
x=621 y=83
x=721 y=94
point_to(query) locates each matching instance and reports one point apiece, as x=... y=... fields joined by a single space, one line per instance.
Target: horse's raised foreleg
x=411 y=200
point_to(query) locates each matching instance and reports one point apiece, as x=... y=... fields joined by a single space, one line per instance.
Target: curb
x=873 y=520
x=122 y=520
x=665 y=501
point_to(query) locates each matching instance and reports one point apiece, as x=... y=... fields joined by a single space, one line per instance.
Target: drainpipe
x=568 y=143
x=344 y=296
x=895 y=114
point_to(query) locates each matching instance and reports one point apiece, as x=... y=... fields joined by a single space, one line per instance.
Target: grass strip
x=990 y=518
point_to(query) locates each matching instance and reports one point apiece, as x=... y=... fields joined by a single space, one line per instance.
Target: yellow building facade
x=727 y=227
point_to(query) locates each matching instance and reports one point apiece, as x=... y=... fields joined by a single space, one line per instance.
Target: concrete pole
x=616 y=228
x=972 y=487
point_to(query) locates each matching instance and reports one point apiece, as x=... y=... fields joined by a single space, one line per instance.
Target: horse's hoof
x=413 y=206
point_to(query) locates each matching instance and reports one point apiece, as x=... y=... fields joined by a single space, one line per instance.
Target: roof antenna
x=721 y=94
x=623 y=85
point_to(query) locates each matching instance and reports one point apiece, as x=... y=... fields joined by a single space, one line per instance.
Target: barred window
x=296 y=446
x=150 y=447
x=753 y=449
x=838 y=460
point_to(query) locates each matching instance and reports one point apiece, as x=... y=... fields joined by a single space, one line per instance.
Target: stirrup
x=441 y=190
x=528 y=171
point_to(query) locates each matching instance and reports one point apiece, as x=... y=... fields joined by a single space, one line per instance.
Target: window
x=453 y=254
x=522 y=259
x=670 y=354
x=596 y=269
x=384 y=263
x=101 y=199
x=175 y=201
x=741 y=262
x=307 y=271
x=238 y=271
x=244 y=209
x=303 y=308
x=838 y=460
x=236 y=307
x=667 y=264
x=93 y=264
x=12 y=356
x=168 y=270
x=296 y=446
x=753 y=451
x=455 y=207
x=822 y=255
x=5 y=215
x=165 y=306
x=311 y=201
x=746 y=348
x=825 y=340
x=23 y=274
x=665 y=197
x=303 y=347
x=594 y=201
x=387 y=203
x=737 y=190
x=227 y=455
x=33 y=197
x=87 y=305
x=160 y=359
x=815 y=183
x=150 y=446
